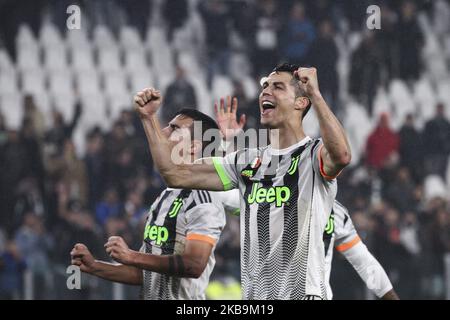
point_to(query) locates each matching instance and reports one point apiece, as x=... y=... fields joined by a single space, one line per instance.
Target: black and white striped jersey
x=176 y=216
x=285 y=205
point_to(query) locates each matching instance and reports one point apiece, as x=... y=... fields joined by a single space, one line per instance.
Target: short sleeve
x=344 y=230
x=205 y=222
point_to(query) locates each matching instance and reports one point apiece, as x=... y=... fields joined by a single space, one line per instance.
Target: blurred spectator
x=382 y=144
x=323 y=55
x=175 y=13
x=28 y=197
x=12 y=267
x=364 y=74
x=14 y=164
x=109 y=207
x=72 y=171
x=401 y=192
x=411 y=149
x=267 y=28
x=33 y=116
x=61 y=131
x=134 y=209
x=437 y=244
x=410 y=41
x=95 y=163
x=298 y=35
x=180 y=94
x=35 y=245
x=217 y=23
x=436 y=137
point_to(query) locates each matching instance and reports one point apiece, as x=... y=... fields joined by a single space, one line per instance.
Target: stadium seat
x=162 y=55
x=109 y=59
x=55 y=58
x=33 y=81
x=77 y=39
x=135 y=61
x=25 y=37
x=114 y=83
x=5 y=61
x=115 y=103
x=11 y=107
x=94 y=111
x=129 y=39
x=221 y=87
x=434 y=187
x=402 y=101
x=49 y=36
x=60 y=82
x=358 y=126
x=141 y=80
x=87 y=82
x=28 y=58
x=8 y=81
x=103 y=38
x=425 y=97
x=81 y=58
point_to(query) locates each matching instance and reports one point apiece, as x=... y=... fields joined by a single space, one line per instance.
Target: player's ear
x=301 y=103
x=196 y=147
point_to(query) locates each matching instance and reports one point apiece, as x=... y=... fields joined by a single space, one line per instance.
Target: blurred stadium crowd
x=75 y=165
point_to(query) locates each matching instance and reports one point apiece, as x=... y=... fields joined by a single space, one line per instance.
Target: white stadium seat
x=94 y=111
x=87 y=82
x=12 y=110
x=129 y=38
x=61 y=82
x=109 y=60
x=49 y=36
x=141 y=80
x=82 y=59
x=114 y=83
x=28 y=58
x=55 y=58
x=221 y=86
x=8 y=82
x=33 y=81
x=135 y=61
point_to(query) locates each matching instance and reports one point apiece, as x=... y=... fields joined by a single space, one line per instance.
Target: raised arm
x=184 y=175
x=190 y=264
x=336 y=153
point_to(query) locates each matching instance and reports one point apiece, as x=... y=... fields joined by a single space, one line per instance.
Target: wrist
x=316 y=97
x=132 y=258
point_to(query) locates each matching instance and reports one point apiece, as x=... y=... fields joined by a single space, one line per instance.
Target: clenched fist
x=82 y=257
x=117 y=248
x=308 y=81
x=147 y=102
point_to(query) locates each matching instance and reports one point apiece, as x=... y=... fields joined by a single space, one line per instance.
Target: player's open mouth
x=267 y=107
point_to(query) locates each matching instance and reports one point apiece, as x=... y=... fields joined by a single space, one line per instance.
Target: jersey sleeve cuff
x=227 y=184
x=348 y=245
x=201 y=237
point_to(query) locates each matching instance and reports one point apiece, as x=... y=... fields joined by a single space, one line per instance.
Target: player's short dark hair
x=207 y=122
x=290 y=68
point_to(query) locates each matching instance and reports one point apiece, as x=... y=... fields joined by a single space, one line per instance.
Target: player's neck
x=284 y=138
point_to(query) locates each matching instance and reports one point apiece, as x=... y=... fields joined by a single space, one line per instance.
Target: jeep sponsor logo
x=279 y=195
x=156 y=233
